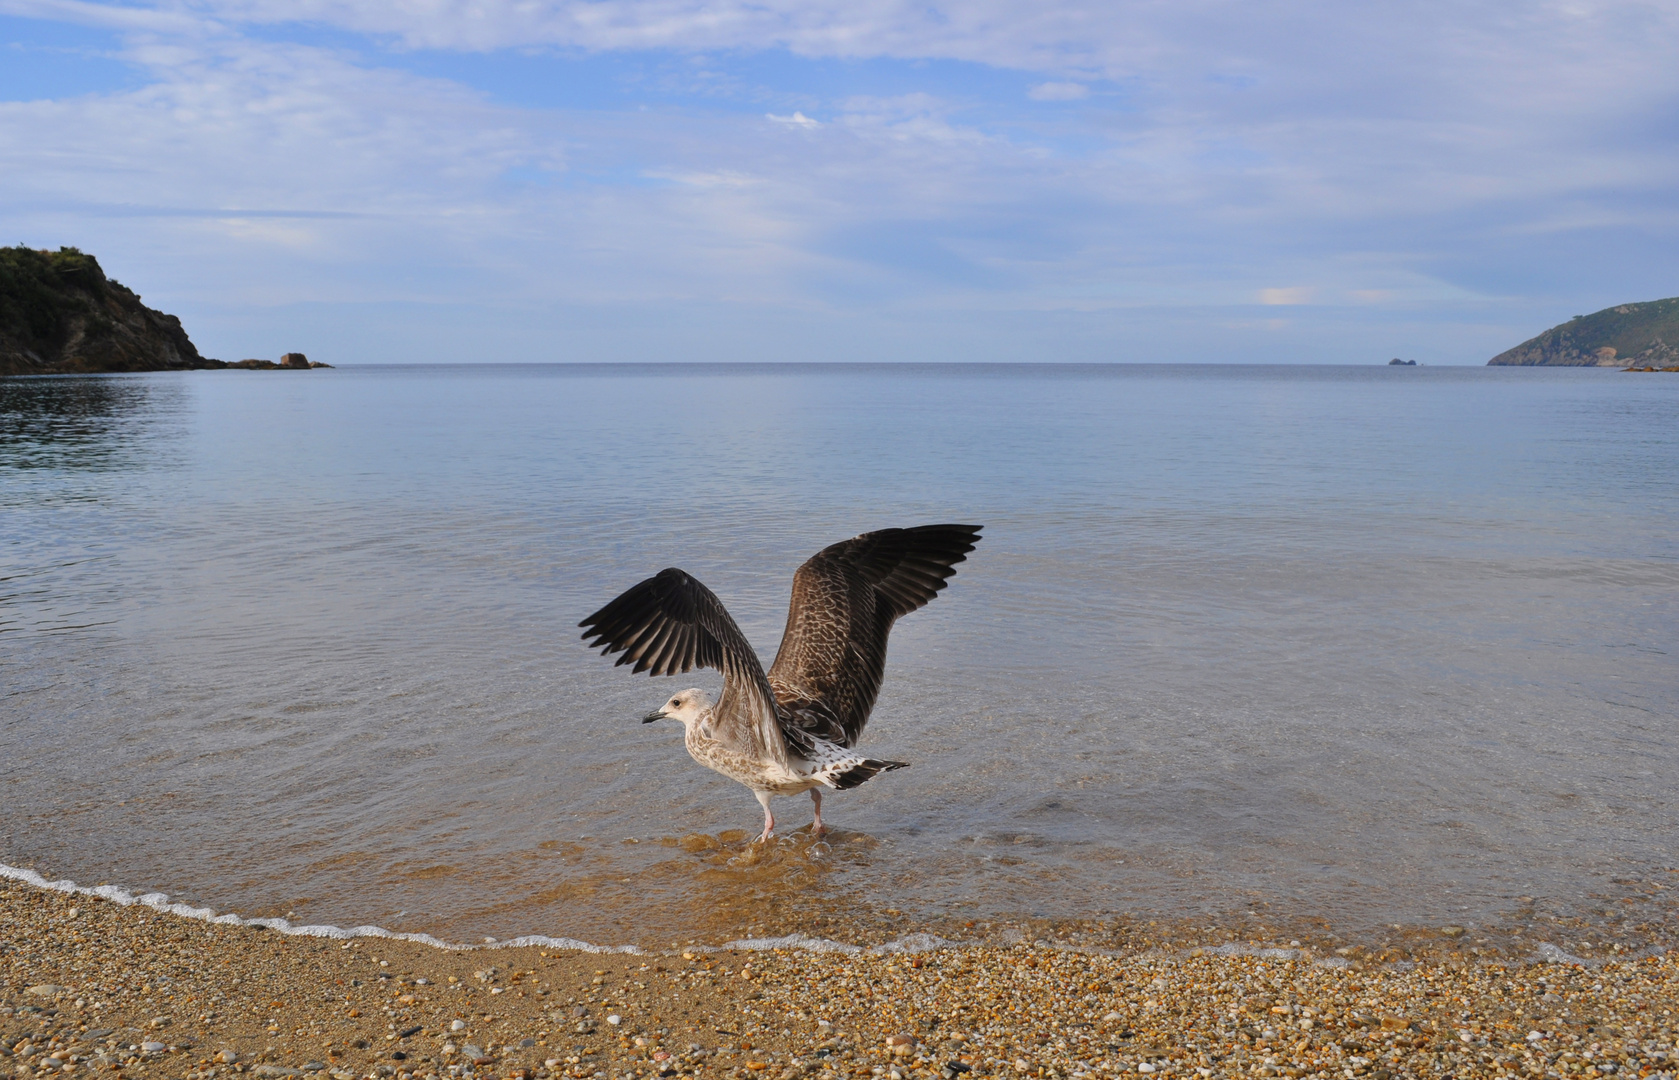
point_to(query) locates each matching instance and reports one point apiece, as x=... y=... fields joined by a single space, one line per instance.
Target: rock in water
x=294 y=360
x=60 y=314
x=1628 y=335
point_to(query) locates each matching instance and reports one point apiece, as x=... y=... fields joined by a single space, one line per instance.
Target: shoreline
x=131 y=990
x=750 y=911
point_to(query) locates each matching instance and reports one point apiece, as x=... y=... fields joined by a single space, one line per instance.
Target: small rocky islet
x=61 y=315
x=89 y=985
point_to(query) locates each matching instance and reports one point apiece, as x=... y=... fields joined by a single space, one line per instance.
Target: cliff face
x=1641 y=335
x=59 y=313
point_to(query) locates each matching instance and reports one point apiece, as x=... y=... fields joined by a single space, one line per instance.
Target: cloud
x=108 y=16
x=1467 y=158
x=1058 y=91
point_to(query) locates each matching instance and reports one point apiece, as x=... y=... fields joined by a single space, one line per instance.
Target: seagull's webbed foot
x=816 y=827
x=769 y=818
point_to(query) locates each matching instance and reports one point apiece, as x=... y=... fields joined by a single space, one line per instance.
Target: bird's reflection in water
x=784 y=886
x=790 y=852
x=706 y=888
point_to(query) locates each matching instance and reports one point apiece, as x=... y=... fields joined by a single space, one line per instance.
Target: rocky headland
x=1642 y=335
x=60 y=315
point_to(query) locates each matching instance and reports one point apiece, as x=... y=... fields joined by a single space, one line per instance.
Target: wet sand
x=89 y=985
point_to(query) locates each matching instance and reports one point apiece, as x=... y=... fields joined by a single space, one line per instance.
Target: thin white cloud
x=109 y=16
x=1059 y=91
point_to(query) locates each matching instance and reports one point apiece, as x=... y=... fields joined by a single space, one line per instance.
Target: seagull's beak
x=656 y=714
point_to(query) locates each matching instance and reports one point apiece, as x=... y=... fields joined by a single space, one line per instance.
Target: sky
x=1216 y=181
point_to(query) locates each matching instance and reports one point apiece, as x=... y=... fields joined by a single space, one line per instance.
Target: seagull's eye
x=675 y=703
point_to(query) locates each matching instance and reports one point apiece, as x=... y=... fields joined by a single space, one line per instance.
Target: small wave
x=909 y=943
x=160 y=902
x=1263 y=952
x=1547 y=953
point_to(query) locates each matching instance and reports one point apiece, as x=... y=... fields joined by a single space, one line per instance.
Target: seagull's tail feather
x=865 y=770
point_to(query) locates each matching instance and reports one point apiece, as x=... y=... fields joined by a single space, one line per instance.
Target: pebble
x=457 y=1025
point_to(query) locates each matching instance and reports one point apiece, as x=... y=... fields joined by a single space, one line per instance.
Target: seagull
x=793 y=729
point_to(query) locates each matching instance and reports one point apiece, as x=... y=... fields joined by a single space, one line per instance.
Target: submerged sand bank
x=87 y=985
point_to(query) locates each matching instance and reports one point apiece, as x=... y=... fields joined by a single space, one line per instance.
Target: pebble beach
x=90 y=985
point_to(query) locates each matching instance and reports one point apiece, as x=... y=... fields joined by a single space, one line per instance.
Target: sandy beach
x=94 y=986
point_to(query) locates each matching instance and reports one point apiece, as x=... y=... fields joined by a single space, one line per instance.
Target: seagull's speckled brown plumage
x=792 y=729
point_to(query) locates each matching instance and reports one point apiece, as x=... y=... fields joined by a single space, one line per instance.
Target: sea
x=1251 y=647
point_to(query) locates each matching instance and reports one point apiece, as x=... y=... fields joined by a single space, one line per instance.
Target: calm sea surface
x=1369 y=645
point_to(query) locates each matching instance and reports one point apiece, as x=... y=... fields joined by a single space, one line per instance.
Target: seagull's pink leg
x=816 y=827
x=769 y=818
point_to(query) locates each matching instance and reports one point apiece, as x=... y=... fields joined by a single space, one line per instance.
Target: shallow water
x=1363 y=644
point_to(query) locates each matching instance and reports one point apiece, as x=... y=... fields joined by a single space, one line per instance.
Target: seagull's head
x=686 y=706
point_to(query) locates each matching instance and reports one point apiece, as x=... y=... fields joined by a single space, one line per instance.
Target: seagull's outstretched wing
x=845 y=598
x=671 y=623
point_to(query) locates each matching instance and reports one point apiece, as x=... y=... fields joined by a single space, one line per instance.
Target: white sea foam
x=909 y=943
x=160 y=902
x=1547 y=953
x=1263 y=952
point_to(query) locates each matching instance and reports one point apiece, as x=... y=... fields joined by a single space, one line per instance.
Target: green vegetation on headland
x=1625 y=336
x=60 y=314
